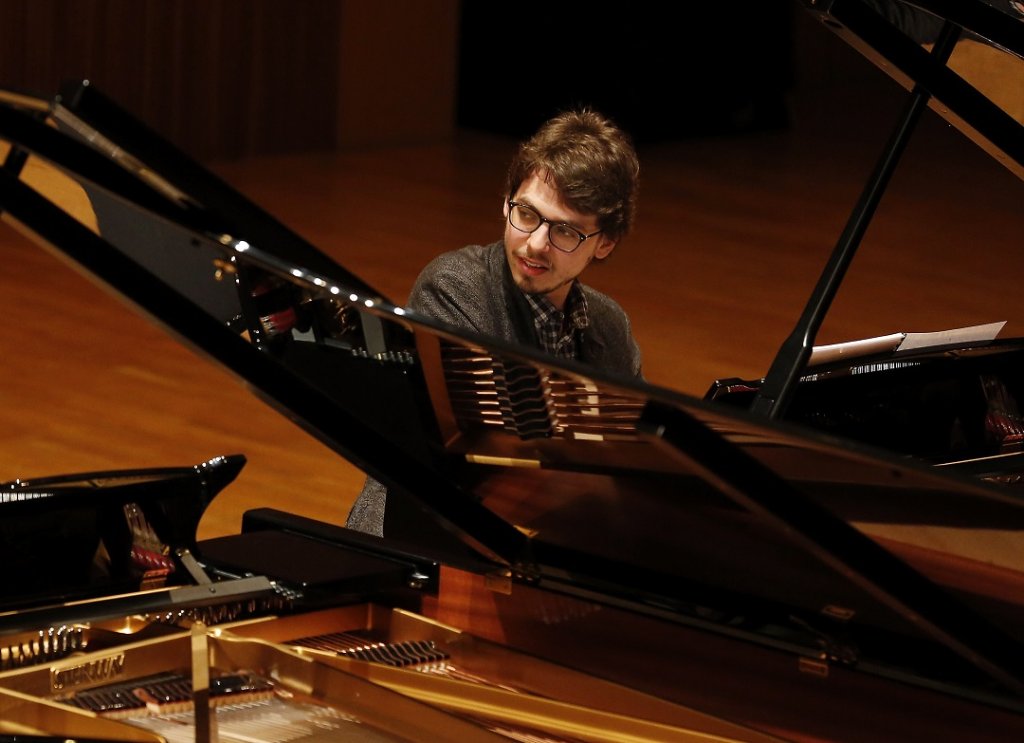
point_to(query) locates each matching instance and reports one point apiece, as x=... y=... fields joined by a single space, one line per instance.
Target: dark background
x=662 y=71
x=232 y=78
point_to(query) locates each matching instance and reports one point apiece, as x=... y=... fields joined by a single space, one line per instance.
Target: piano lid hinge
x=526 y=572
x=419 y=580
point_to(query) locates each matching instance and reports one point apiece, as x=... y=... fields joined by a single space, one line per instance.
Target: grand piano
x=569 y=555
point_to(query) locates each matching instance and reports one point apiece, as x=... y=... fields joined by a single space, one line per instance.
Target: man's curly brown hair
x=589 y=161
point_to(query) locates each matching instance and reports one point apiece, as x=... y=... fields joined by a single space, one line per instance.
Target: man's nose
x=538 y=239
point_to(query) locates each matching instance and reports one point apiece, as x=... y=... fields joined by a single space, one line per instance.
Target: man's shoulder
x=459 y=286
x=601 y=306
x=611 y=344
x=465 y=266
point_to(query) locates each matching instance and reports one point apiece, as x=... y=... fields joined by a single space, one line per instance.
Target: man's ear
x=504 y=209
x=605 y=248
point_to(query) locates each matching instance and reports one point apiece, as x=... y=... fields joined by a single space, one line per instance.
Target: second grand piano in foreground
x=699 y=557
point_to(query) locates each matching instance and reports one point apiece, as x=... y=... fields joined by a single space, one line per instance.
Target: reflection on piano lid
x=75 y=536
x=549 y=476
x=956 y=406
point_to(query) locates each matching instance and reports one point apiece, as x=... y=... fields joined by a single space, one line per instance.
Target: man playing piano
x=570 y=197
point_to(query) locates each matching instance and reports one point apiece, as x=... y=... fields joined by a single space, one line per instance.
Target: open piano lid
x=547 y=472
x=966 y=55
x=965 y=60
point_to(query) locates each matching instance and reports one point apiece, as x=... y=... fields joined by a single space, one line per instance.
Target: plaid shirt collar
x=558 y=330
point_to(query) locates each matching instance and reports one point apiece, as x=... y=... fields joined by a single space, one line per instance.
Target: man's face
x=537 y=267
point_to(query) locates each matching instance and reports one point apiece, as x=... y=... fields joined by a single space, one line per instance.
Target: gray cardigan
x=473 y=288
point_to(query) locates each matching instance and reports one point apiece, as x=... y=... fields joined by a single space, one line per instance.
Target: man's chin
x=526 y=283
x=532 y=287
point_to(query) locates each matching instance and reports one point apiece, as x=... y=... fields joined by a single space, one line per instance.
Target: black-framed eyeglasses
x=561 y=236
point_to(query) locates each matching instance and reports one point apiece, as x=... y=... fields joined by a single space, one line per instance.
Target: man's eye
x=526 y=216
x=563 y=233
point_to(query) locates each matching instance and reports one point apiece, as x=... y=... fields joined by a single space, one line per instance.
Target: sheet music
x=972 y=334
x=903 y=341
